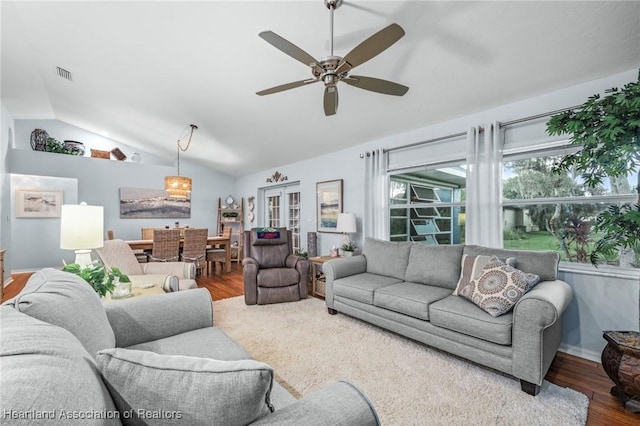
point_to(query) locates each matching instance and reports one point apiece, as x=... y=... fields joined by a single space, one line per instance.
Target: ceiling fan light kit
x=332 y=69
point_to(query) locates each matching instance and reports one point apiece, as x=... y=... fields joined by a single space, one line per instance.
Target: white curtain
x=484 y=186
x=376 y=190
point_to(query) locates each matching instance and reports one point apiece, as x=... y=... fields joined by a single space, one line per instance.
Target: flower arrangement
x=102 y=280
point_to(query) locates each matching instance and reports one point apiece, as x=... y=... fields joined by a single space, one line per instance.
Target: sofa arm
x=339 y=268
x=179 y=269
x=250 y=269
x=149 y=318
x=339 y=403
x=537 y=329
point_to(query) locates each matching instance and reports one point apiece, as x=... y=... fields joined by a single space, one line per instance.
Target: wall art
x=38 y=203
x=328 y=204
x=141 y=203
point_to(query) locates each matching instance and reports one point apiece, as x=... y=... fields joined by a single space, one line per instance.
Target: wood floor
x=569 y=371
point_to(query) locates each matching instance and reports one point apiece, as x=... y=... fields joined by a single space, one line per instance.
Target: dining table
x=216 y=240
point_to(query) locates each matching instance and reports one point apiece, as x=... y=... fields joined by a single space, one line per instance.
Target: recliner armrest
x=336 y=404
x=149 y=318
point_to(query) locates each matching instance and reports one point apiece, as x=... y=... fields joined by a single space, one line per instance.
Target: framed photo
x=38 y=203
x=328 y=204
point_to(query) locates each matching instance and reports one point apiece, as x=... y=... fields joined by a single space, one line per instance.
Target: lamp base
x=83 y=258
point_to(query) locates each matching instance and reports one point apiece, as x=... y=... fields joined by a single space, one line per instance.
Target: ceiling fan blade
x=371 y=47
x=376 y=85
x=286 y=86
x=330 y=100
x=287 y=47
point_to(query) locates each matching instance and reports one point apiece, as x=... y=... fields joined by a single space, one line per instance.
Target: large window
x=428 y=206
x=547 y=211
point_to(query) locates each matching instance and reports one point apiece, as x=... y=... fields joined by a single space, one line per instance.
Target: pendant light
x=179 y=186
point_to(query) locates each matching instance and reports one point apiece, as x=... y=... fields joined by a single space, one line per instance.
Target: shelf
x=237 y=226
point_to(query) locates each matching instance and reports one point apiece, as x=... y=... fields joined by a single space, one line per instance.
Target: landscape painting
x=141 y=203
x=38 y=203
x=329 y=204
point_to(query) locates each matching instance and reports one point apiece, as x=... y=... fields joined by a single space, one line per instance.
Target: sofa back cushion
x=68 y=301
x=434 y=265
x=386 y=258
x=47 y=371
x=541 y=263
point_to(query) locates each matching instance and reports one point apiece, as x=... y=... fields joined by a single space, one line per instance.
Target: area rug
x=409 y=383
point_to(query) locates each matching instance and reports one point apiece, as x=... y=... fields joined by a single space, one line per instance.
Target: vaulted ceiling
x=143 y=71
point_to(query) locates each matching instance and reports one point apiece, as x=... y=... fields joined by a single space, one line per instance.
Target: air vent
x=64 y=74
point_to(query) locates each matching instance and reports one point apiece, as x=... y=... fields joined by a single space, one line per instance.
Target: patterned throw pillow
x=473 y=266
x=499 y=287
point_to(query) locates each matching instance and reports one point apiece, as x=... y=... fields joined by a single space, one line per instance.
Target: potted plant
x=102 y=280
x=607 y=130
x=302 y=253
x=348 y=248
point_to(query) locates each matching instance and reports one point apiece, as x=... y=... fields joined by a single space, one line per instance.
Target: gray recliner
x=271 y=272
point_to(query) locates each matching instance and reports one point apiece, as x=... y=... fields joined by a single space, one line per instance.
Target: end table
x=318 y=283
x=621 y=362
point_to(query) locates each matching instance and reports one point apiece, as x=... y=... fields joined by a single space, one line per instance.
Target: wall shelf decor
x=231 y=214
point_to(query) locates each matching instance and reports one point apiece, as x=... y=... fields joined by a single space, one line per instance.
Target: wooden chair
x=195 y=247
x=217 y=255
x=110 y=234
x=166 y=245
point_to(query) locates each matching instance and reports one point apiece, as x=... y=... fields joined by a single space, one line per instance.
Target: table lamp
x=346 y=225
x=81 y=229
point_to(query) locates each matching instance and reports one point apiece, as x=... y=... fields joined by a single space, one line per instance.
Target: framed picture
x=38 y=203
x=328 y=204
x=142 y=203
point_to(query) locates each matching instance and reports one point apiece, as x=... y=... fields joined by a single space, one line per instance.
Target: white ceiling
x=143 y=71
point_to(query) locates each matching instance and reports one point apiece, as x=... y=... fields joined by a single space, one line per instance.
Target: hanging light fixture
x=179 y=186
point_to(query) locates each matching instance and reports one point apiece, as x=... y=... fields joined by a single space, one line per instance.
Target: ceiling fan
x=332 y=69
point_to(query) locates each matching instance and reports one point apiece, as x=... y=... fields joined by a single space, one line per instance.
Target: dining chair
x=218 y=255
x=147 y=233
x=166 y=245
x=110 y=234
x=195 y=247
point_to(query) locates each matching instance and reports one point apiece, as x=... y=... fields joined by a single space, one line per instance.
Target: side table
x=621 y=362
x=318 y=283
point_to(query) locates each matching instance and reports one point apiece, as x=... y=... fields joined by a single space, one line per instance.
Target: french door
x=282 y=209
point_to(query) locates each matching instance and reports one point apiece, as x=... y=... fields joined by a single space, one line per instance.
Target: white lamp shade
x=81 y=227
x=346 y=223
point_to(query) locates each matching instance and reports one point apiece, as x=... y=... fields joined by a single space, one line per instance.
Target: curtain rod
x=535 y=117
x=411 y=145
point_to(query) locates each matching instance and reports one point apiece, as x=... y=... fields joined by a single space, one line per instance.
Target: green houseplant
x=102 y=280
x=607 y=130
x=348 y=248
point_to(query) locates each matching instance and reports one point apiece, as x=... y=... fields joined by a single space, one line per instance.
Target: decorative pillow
x=499 y=287
x=473 y=266
x=164 y=389
x=268 y=233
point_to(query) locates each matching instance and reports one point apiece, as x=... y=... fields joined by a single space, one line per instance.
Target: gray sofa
x=68 y=357
x=408 y=288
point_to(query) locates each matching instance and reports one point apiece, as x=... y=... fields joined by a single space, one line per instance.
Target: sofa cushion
x=460 y=315
x=361 y=287
x=188 y=390
x=542 y=263
x=386 y=258
x=434 y=265
x=472 y=268
x=408 y=298
x=499 y=287
x=47 y=371
x=68 y=301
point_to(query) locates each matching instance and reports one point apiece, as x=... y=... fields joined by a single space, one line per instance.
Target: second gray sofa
x=408 y=288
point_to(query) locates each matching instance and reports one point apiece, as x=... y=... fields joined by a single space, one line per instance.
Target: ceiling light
x=179 y=186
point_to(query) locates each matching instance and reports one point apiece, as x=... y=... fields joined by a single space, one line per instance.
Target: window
x=427 y=206
x=547 y=211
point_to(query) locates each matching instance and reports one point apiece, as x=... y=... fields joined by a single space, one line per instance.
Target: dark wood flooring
x=576 y=373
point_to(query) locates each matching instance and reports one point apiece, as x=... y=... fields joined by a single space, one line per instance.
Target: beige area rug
x=409 y=383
